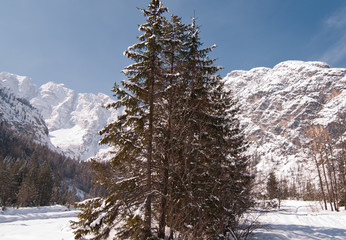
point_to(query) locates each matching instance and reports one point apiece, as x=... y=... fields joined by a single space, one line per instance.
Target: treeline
x=329 y=157
x=280 y=188
x=308 y=190
x=33 y=175
x=327 y=153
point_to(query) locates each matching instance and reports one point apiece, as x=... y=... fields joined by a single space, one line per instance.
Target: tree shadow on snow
x=284 y=232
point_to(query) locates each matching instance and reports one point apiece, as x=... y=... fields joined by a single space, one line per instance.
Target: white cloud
x=336 y=52
x=335 y=25
x=337 y=20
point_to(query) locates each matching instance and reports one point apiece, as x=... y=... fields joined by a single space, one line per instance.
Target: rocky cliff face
x=280 y=104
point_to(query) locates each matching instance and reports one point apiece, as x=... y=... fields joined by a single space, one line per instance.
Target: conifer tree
x=45 y=185
x=5 y=186
x=169 y=105
x=211 y=176
x=134 y=136
x=272 y=186
x=18 y=170
x=28 y=194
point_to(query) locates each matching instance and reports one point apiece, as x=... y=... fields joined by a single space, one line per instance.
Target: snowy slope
x=278 y=106
x=73 y=119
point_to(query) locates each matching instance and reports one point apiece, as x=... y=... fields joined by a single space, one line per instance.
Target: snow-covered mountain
x=73 y=119
x=278 y=106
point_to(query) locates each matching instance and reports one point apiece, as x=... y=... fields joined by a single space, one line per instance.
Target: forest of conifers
x=33 y=175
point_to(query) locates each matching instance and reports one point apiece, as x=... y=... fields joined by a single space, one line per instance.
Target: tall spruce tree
x=211 y=186
x=134 y=135
x=169 y=104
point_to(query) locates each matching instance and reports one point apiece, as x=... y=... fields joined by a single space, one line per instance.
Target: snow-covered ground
x=301 y=220
x=37 y=223
x=295 y=220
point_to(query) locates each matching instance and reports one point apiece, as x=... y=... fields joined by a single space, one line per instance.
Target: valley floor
x=295 y=220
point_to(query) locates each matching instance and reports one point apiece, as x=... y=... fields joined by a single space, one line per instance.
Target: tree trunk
x=326 y=182
x=148 y=211
x=162 y=220
x=333 y=176
x=321 y=181
x=169 y=155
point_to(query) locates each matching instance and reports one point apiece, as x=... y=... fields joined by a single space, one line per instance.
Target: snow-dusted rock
x=16 y=111
x=278 y=105
x=20 y=86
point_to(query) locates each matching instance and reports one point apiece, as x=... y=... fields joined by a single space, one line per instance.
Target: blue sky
x=80 y=42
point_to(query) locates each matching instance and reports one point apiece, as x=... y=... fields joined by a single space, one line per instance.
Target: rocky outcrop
x=280 y=104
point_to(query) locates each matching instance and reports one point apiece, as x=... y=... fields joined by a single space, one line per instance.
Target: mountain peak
x=295 y=64
x=20 y=86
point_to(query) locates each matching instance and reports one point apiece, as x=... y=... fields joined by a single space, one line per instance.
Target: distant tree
x=5 y=186
x=70 y=196
x=310 y=192
x=327 y=156
x=28 y=194
x=314 y=154
x=341 y=159
x=341 y=163
x=272 y=186
x=45 y=185
x=284 y=189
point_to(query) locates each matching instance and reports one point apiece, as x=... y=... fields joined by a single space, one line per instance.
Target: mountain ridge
x=278 y=104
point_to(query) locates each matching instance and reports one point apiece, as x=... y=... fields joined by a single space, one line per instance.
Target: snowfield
x=301 y=220
x=295 y=220
x=37 y=223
